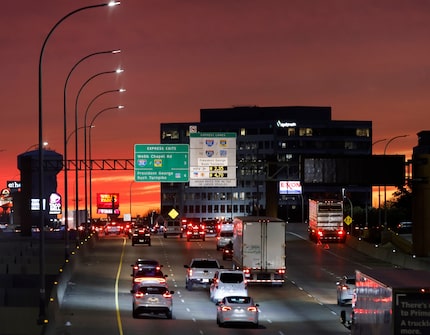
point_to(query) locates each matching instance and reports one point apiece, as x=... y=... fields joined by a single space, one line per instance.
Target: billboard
x=108 y=203
x=290 y=187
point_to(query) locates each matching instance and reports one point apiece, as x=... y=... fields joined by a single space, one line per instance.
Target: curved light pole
x=379 y=189
x=65 y=141
x=42 y=299
x=91 y=126
x=85 y=141
x=76 y=142
x=385 y=186
x=131 y=184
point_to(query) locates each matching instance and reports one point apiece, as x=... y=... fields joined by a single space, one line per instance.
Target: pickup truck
x=200 y=272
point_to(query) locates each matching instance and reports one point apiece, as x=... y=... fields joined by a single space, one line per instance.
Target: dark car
x=196 y=231
x=143 y=263
x=141 y=235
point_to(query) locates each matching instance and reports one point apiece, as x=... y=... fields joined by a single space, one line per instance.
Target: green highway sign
x=167 y=163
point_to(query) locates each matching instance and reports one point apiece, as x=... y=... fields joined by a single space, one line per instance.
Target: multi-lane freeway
x=98 y=299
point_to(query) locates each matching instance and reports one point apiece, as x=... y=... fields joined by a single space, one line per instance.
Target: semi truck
x=390 y=301
x=259 y=249
x=326 y=220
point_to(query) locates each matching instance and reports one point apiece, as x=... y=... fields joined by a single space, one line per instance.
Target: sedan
x=345 y=290
x=237 y=310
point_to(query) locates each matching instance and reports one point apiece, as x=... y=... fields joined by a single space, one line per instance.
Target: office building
x=272 y=146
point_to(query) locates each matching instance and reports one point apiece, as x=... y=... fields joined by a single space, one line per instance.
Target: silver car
x=237 y=310
x=152 y=298
x=345 y=290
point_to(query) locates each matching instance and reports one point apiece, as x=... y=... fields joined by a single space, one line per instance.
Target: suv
x=196 y=231
x=141 y=235
x=172 y=227
x=228 y=283
x=224 y=238
x=152 y=298
x=200 y=272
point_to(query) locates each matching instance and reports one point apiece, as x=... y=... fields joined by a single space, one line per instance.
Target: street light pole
x=65 y=140
x=76 y=143
x=385 y=185
x=42 y=299
x=379 y=189
x=91 y=126
x=85 y=142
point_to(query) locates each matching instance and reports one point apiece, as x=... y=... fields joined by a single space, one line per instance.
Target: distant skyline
x=367 y=60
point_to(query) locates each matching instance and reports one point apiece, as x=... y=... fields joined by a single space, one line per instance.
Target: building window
x=170 y=134
x=242 y=132
x=197 y=209
x=203 y=208
x=305 y=132
x=291 y=131
x=362 y=132
x=350 y=145
x=209 y=208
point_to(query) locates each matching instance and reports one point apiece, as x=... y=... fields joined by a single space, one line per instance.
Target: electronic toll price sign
x=212 y=159
x=161 y=163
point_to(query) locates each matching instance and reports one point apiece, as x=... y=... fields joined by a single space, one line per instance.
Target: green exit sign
x=167 y=163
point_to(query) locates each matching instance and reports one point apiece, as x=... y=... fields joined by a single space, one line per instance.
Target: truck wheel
x=189 y=286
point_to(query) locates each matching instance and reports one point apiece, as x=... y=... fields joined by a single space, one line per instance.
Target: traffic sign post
x=161 y=163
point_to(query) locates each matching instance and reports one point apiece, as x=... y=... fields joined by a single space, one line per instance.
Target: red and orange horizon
x=366 y=61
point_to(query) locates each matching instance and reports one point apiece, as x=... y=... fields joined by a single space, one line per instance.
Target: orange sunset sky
x=368 y=60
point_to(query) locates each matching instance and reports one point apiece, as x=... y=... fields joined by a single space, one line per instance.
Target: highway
x=98 y=299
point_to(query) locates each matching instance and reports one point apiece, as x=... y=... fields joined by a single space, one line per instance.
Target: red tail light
x=246 y=271
x=139 y=295
x=252 y=309
x=225 y=308
x=167 y=294
x=281 y=271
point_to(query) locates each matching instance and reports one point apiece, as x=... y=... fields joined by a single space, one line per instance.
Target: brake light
x=340 y=232
x=345 y=288
x=252 y=309
x=281 y=271
x=320 y=233
x=167 y=294
x=246 y=271
x=150 y=279
x=139 y=295
x=190 y=272
x=226 y=308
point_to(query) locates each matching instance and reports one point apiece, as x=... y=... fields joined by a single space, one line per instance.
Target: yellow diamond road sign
x=173 y=213
x=348 y=220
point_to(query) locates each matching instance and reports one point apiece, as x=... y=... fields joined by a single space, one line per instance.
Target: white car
x=345 y=290
x=224 y=237
x=228 y=283
x=237 y=310
x=152 y=298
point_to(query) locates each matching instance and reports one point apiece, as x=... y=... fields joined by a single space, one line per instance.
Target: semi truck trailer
x=259 y=249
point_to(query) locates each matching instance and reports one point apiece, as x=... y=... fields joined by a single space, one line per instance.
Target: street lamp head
x=122 y=90
x=114 y=3
x=116 y=51
x=119 y=70
x=121 y=107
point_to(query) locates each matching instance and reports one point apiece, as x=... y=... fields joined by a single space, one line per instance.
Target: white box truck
x=259 y=249
x=390 y=301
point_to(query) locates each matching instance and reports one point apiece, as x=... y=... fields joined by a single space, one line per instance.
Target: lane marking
x=118 y=313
